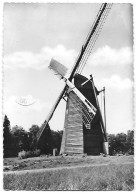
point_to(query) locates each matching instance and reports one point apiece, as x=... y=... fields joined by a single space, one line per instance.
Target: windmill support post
x=104 y=106
x=106 y=144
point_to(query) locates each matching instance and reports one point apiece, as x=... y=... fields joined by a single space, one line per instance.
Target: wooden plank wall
x=72 y=140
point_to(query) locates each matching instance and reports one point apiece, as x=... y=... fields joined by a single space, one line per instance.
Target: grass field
x=94 y=173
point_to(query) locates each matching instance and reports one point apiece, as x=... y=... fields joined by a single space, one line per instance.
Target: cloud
x=104 y=56
x=115 y=82
x=41 y=60
x=11 y=106
x=107 y=56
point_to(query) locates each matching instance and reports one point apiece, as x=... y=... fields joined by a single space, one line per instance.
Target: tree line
x=17 y=139
x=121 y=143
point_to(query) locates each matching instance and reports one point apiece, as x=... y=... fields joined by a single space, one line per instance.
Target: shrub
x=28 y=154
x=36 y=153
x=22 y=154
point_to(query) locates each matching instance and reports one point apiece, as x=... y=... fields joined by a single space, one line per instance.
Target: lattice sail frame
x=86 y=116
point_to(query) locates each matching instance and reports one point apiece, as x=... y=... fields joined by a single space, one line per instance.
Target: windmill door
x=92 y=143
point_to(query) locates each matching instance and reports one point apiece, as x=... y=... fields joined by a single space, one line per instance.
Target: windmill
x=84 y=129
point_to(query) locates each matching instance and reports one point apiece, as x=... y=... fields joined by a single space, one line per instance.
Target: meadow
x=115 y=174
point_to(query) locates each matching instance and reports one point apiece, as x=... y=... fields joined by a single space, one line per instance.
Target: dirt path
x=60 y=168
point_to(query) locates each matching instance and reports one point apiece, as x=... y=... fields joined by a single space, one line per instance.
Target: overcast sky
x=34 y=33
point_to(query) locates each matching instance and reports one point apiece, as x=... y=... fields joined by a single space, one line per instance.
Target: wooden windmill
x=84 y=129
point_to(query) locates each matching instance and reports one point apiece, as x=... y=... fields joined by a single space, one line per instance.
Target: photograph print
x=68 y=91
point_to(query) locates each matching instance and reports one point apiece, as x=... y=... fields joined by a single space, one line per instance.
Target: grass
x=110 y=177
x=58 y=161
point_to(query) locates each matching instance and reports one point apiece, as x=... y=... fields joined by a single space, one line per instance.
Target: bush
x=22 y=154
x=28 y=154
x=36 y=153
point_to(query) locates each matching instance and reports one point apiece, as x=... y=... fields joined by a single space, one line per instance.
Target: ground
x=69 y=173
x=14 y=164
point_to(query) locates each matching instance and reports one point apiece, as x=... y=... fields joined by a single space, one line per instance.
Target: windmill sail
x=58 y=68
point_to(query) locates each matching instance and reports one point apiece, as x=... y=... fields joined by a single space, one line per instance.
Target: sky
x=36 y=32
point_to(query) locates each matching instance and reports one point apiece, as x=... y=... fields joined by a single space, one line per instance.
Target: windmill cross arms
x=85 y=51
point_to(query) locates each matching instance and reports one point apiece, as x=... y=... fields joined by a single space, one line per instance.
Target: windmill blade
x=49 y=116
x=58 y=68
x=91 y=38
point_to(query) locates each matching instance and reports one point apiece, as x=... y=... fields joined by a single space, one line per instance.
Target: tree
x=121 y=143
x=57 y=138
x=130 y=141
x=6 y=137
x=111 y=140
x=20 y=139
x=32 y=136
x=45 y=141
x=33 y=130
